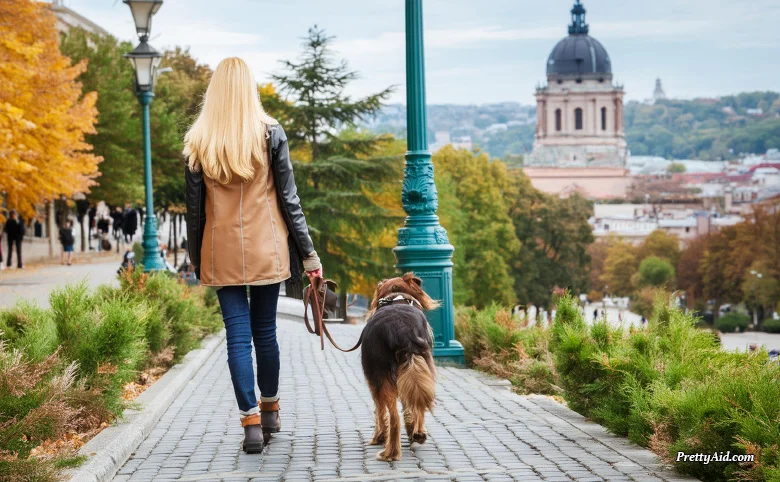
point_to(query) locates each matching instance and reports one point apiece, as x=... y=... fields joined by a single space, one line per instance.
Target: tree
x=43 y=116
x=340 y=182
x=662 y=245
x=688 y=271
x=655 y=272
x=676 y=168
x=619 y=268
x=317 y=106
x=554 y=236
x=481 y=229
x=118 y=136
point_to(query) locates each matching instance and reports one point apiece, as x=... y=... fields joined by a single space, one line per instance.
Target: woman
x=67 y=240
x=245 y=228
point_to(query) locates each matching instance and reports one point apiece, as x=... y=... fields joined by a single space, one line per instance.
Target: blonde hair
x=228 y=136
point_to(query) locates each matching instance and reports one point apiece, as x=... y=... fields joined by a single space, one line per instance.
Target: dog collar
x=397 y=300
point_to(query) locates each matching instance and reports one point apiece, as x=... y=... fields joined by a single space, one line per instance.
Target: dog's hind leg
x=380 y=424
x=387 y=400
x=416 y=386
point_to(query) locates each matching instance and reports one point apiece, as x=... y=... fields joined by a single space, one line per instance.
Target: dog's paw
x=420 y=438
x=377 y=440
x=385 y=457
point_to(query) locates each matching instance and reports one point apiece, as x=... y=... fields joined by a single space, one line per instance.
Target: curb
x=110 y=449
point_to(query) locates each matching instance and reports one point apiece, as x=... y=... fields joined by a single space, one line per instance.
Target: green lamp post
x=145 y=60
x=423 y=245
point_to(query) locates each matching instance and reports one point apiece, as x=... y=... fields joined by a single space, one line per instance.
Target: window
x=603 y=118
x=557 y=119
x=578 y=119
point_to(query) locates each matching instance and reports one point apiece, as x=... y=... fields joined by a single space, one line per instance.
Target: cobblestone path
x=479 y=431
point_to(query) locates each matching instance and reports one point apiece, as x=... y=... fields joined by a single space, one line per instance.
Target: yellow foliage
x=43 y=116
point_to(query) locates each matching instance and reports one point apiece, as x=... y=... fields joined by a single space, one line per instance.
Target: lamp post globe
x=145 y=60
x=143 y=11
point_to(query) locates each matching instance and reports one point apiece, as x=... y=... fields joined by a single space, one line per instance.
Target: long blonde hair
x=228 y=136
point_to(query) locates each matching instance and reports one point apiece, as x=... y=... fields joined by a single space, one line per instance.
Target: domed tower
x=579 y=112
x=579 y=143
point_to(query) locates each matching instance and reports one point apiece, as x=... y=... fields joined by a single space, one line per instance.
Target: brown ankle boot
x=253 y=434
x=269 y=412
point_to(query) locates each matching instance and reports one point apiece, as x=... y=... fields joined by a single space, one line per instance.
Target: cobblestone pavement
x=477 y=432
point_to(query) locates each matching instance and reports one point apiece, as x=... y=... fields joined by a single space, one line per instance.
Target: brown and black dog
x=398 y=362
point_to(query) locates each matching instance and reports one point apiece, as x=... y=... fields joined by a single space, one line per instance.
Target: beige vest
x=245 y=238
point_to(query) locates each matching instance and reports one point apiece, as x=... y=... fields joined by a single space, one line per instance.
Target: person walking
x=245 y=228
x=129 y=223
x=14 y=229
x=67 y=240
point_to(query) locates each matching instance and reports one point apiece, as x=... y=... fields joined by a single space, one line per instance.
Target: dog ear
x=410 y=277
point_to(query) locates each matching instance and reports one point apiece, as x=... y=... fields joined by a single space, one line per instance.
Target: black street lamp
x=145 y=60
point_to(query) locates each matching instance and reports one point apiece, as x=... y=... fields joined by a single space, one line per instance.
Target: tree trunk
x=83 y=234
x=343 y=304
x=175 y=241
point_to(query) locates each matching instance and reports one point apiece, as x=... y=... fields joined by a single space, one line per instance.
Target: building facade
x=579 y=144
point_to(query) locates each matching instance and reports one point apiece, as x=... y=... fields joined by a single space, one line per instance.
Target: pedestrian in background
x=129 y=223
x=14 y=229
x=67 y=240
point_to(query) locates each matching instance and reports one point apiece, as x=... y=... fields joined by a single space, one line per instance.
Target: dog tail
x=416 y=383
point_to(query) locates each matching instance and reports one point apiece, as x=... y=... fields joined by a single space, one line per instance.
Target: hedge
x=62 y=369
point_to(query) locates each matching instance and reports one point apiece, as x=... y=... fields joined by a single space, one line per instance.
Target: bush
x=669 y=387
x=732 y=322
x=772 y=326
x=655 y=271
x=63 y=369
x=496 y=343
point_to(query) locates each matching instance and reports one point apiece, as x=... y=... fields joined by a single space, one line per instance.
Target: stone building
x=579 y=144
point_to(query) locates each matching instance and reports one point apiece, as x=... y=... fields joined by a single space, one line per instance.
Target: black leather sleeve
x=196 y=214
x=288 y=191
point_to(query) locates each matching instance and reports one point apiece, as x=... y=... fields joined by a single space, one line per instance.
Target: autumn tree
x=117 y=136
x=554 y=234
x=477 y=219
x=44 y=117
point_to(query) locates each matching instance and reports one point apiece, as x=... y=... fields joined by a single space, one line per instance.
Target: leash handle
x=314 y=295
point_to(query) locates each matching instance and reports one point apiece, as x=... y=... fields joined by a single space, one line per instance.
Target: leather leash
x=314 y=295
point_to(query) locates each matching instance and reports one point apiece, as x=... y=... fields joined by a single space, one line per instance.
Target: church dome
x=578 y=55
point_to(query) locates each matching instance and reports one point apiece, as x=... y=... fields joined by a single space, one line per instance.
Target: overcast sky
x=482 y=51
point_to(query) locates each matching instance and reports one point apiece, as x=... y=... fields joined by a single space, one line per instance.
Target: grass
x=62 y=369
x=667 y=387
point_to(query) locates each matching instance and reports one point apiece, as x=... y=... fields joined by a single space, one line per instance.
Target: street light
x=423 y=245
x=143 y=11
x=145 y=60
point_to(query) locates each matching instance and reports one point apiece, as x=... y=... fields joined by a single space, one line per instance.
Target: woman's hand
x=317 y=273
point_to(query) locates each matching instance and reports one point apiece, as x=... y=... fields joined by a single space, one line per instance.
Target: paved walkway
x=35 y=282
x=478 y=431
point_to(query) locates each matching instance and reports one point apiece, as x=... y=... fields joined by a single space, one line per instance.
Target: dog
x=397 y=358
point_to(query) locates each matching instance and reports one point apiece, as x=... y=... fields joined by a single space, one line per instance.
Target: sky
x=485 y=51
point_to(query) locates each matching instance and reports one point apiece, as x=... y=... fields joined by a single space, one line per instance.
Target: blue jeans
x=248 y=321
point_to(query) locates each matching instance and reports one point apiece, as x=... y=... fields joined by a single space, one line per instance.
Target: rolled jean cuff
x=249 y=412
x=275 y=398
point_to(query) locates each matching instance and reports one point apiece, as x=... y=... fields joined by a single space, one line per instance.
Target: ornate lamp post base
x=423 y=248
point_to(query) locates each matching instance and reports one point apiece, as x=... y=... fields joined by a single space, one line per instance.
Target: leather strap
x=314 y=295
x=253 y=419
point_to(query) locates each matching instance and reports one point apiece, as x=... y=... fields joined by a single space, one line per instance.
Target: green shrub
x=138 y=251
x=63 y=369
x=732 y=322
x=655 y=271
x=772 y=326
x=496 y=343
x=31 y=328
